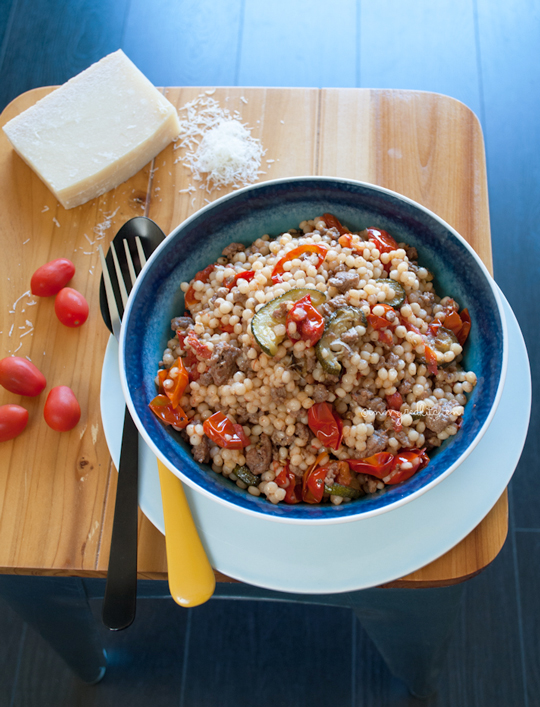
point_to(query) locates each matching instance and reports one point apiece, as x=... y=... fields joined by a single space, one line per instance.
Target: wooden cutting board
x=57 y=490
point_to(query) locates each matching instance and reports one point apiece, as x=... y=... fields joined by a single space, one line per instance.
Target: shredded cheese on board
x=218 y=145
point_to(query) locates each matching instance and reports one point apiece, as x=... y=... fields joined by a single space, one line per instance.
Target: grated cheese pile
x=218 y=145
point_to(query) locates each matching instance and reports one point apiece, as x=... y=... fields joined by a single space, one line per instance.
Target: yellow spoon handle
x=191 y=577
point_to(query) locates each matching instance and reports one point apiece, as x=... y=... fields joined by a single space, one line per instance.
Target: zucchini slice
x=264 y=321
x=399 y=293
x=341 y=321
x=343 y=491
x=245 y=475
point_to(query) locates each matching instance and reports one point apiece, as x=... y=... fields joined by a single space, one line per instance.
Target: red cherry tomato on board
x=71 y=307
x=20 y=376
x=62 y=411
x=50 y=278
x=13 y=420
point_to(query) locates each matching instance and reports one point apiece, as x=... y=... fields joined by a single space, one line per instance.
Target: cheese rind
x=94 y=132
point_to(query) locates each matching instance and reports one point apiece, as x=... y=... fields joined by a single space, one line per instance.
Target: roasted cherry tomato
x=313 y=484
x=62 y=410
x=224 y=433
x=50 y=278
x=203 y=275
x=413 y=461
x=332 y=222
x=319 y=250
x=431 y=360
x=197 y=346
x=292 y=484
x=383 y=240
x=378 y=465
x=325 y=424
x=180 y=382
x=394 y=401
x=244 y=275
x=13 y=420
x=309 y=323
x=20 y=376
x=71 y=307
x=466 y=328
x=162 y=407
x=378 y=322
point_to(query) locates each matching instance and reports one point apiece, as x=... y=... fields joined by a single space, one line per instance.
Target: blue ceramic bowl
x=273 y=207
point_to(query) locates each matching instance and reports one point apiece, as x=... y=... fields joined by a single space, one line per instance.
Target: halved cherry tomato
x=50 y=278
x=383 y=240
x=319 y=250
x=162 y=407
x=62 y=410
x=292 y=484
x=20 y=376
x=224 y=433
x=378 y=465
x=71 y=307
x=180 y=383
x=417 y=459
x=332 y=222
x=13 y=420
x=203 y=276
x=227 y=328
x=313 y=484
x=309 y=323
x=394 y=401
x=247 y=276
x=325 y=424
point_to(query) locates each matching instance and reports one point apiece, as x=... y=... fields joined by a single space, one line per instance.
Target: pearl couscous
x=317 y=366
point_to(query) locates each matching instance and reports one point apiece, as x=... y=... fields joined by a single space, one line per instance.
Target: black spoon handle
x=121 y=589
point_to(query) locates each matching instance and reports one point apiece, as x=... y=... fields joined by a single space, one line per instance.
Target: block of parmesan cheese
x=95 y=131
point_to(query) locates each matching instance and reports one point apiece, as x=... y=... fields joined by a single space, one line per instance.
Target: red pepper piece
x=319 y=250
x=332 y=222
x=244 y=275
x=224 y=433
x=203 y=276
x=378 y=465
x=309 y=323
x=325 y=424
x=162 y=407
x=417 y=459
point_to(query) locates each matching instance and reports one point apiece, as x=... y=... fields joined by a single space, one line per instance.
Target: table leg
x=58 y=609
x=411 y=628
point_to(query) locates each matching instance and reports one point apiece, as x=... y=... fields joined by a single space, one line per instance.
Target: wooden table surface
x=57 y=490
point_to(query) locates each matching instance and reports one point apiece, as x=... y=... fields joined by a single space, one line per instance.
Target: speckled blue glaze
x=273 y=207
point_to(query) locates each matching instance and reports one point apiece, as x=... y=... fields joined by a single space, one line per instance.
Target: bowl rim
x=337 y=518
